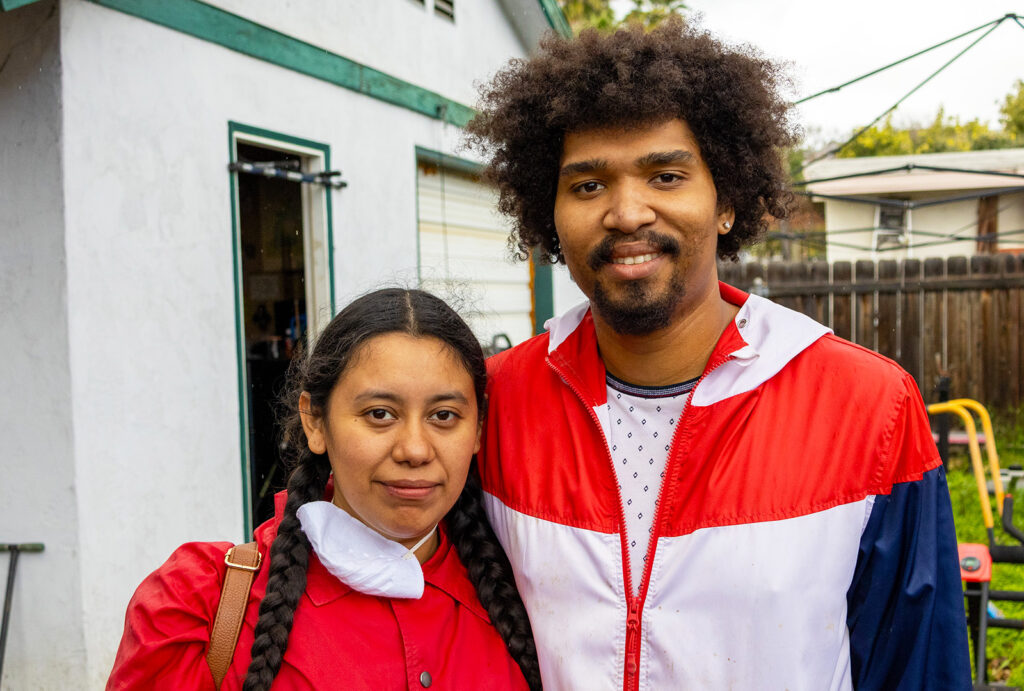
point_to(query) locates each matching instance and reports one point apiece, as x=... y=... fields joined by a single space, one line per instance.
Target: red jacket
x=804 y=538
x=341 y=639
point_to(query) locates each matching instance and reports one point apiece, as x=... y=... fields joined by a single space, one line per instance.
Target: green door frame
x=238 y=132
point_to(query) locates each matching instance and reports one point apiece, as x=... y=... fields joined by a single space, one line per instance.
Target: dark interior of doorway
x=274 y=309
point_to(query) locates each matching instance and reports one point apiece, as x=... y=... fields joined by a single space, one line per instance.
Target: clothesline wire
x=820 y=239
x=953 y=236
x=835 y=149
x=872 y=73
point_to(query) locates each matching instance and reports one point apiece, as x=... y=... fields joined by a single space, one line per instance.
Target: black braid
x=491 y=575
x=289 y=559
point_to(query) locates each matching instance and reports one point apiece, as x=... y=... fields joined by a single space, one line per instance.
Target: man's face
x=638 y=221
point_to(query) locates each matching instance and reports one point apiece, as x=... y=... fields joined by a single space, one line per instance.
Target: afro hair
x=728 y=97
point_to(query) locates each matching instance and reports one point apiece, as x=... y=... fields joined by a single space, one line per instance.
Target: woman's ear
x=312 y=424
x=481 y=410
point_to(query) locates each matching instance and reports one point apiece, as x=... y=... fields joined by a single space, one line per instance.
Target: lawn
x=1005 y=646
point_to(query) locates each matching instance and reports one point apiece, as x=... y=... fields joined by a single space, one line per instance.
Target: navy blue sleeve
x=906 y=615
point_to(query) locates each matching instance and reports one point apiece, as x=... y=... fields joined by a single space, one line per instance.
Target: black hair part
x=391 y=310
x=728 y=96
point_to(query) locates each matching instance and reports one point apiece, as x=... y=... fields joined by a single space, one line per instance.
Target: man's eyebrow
x=664 y=158
x=581 y=167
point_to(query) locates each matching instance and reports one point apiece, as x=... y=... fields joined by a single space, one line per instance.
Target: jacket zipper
x=635 y=603
x=633 y=621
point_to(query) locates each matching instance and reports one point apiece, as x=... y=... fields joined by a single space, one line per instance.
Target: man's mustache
x=602 y=254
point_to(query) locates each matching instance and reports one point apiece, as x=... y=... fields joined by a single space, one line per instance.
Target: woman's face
x=400 y=429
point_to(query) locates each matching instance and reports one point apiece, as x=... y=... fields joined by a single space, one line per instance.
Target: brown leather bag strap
x=243 y=563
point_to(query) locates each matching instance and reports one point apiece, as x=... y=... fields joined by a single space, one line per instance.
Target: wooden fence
x=960 y=316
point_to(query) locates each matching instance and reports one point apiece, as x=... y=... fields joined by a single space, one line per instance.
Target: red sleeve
x=913 y=449
x=167 y=625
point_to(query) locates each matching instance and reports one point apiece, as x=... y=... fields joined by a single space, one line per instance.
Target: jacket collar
x=753 y=347
x=572 y=346
x=443 y=570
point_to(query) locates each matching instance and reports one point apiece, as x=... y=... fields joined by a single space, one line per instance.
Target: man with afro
x=697 y=488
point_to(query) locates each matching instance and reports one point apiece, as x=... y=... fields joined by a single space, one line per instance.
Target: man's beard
x=638 y=311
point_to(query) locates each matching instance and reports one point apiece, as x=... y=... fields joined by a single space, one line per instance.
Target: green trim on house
x=234 y=129
x=543 y=295
x=243 y=398
x=555 y=17
x=8 y=5
x=462 y=165
x=242 y=35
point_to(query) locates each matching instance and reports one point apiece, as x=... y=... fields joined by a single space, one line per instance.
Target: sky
x=825 y=43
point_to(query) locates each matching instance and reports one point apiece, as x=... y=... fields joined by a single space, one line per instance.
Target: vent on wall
x=445 y=8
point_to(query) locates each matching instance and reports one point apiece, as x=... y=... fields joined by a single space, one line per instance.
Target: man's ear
x=726 y=219
x=312 y=424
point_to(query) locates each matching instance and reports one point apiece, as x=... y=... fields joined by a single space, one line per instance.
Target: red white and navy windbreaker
x=803 y=540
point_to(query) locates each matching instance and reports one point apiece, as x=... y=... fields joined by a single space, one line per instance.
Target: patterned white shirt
x=643 y=419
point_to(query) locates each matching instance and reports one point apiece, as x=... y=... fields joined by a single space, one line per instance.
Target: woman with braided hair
x=379 y=568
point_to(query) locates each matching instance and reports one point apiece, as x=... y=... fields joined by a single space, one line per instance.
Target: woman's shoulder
x=197 y=557
x=192 y=573
x=167 y=625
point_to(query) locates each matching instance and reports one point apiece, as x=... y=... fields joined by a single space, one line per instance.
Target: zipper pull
x=632 y=637
x=633 y=620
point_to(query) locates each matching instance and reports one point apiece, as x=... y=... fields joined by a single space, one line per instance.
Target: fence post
x=942 y=389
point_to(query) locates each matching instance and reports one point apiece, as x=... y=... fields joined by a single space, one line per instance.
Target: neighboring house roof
x=916 y=180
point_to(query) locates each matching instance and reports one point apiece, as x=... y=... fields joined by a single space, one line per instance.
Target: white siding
x=928 y=228
x=847 y=217
x=960 y=218
x=464 y=252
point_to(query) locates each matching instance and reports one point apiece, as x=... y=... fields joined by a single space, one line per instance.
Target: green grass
x=1005 y=647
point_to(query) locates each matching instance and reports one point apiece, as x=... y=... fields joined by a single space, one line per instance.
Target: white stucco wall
x=45 y=647
x=150 y=278
x=401 y=37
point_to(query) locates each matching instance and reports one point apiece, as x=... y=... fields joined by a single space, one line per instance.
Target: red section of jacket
x=836 y=424
x=341 y=639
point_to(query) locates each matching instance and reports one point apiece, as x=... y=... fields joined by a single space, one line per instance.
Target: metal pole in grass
x=12 y=569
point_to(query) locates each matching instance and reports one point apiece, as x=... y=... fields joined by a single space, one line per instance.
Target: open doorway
x=284 y=294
